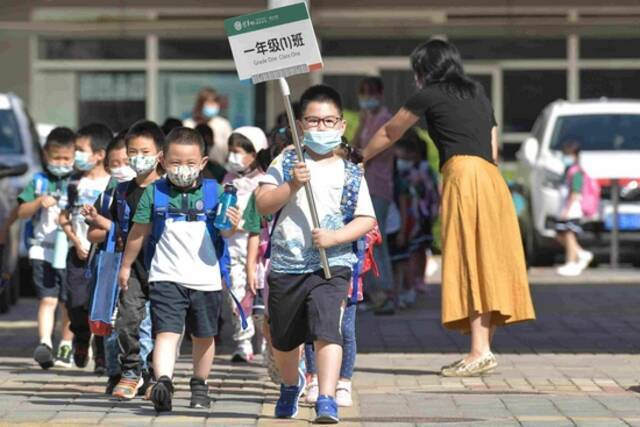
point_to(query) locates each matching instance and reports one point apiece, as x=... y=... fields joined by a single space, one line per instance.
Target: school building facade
x=74 y=61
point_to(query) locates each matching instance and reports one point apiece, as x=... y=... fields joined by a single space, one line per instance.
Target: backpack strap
x=210 y=193
x=123 y=211
x=159 y=217
x=348 y=203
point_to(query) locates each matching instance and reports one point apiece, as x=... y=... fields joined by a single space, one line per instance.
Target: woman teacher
x=484 y=281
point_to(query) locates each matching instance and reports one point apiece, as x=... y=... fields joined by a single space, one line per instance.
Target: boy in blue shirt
x=302 y=303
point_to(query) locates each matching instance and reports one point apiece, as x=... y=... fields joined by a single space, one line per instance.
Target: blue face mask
x=82 y=162
x=568 y=160
x=60 y=170
x=210 y=111
x=369 y=103
x=322 y=142
x=403 y=165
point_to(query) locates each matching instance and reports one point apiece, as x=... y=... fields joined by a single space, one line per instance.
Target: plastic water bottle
x=228 y=199
x=60 y=250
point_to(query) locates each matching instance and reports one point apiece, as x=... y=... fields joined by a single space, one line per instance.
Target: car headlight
x=552 y=179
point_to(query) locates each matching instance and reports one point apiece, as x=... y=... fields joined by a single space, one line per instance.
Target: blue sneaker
x=326 y=410
x=287 y=405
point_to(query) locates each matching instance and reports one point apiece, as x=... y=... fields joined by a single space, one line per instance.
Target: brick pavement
x=579 y=364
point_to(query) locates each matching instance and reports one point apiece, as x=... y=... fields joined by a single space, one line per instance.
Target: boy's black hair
x=99 y=135
x=266 y=156
x=170 y=124
x=372 y=85
x=183 y=136
x=412 y=143
x=147 y=129
x=571 y=146
x=117 y=143
x=320 y=93
x=207 y=135
x=240 y=141
x=60 y=137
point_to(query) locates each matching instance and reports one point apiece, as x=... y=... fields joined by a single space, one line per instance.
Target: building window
x=591 y=48
x=194 y=49
x=609 y=83
x=116 y=99
x=178 y=90
x=507 y=48
x=526 y=93
x=92 y=49
x=369 y=47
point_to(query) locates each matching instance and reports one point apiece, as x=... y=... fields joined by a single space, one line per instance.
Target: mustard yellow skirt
x=483 y=265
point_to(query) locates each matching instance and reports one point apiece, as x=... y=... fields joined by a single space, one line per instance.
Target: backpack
x=348 y=202
x=106 y=289
x=162 y=211
x=590 y=202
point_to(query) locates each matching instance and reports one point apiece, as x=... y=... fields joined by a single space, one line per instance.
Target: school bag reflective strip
x=162 y=211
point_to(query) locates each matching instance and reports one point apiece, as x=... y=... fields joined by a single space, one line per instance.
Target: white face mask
x=123 y=174
x=143 y=164
x=183 y=176
x=235 y=163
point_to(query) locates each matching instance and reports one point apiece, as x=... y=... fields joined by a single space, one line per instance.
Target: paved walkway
x=578 y=364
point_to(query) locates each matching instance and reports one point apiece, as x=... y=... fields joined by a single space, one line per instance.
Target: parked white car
x=19 y=160
x=609 y=134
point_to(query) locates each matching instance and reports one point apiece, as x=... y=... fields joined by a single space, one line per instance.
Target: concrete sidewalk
x=578 y=364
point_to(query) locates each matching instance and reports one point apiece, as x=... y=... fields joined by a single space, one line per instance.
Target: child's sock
x=64 y=342
x=47 y=341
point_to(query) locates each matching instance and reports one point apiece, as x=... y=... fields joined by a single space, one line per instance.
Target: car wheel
x=5 y=300
x=537 y=254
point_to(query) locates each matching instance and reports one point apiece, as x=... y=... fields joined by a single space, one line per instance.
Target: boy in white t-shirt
x=185 y=277
x=84 y=188
x=302 y=302
x=41 y=200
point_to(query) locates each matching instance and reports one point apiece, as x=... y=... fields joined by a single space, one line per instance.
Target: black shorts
x=573 y=225
x=307 y=307
x=173 y=305
x=48 y=281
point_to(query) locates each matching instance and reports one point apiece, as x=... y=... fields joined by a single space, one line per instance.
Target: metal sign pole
x=615 y=223
x=286 y=95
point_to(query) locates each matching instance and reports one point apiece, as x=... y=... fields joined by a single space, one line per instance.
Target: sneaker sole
x=327 y=419
x=44 y=358
x=120 y=396
x=161 y=398
x=61 y=364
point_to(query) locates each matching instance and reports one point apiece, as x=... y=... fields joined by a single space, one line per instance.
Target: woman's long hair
x=438 y=62
x=205 y=94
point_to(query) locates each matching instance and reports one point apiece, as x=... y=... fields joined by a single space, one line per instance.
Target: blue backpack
x=106 y=290
x=349 y=201
x=162 y=211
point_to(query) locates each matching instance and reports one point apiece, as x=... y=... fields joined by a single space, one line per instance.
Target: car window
x=598 y=131
x=10 y=141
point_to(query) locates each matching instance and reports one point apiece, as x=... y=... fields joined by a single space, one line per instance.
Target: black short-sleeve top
x=457 y=126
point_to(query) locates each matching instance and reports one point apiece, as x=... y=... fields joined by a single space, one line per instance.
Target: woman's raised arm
x=389 y=133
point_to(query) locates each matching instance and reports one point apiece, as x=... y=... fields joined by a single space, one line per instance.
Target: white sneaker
x=243 y=353
x=569 y=269
x=343 y=393
x=584 y=259
x=408 y=298
x=313 y=390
